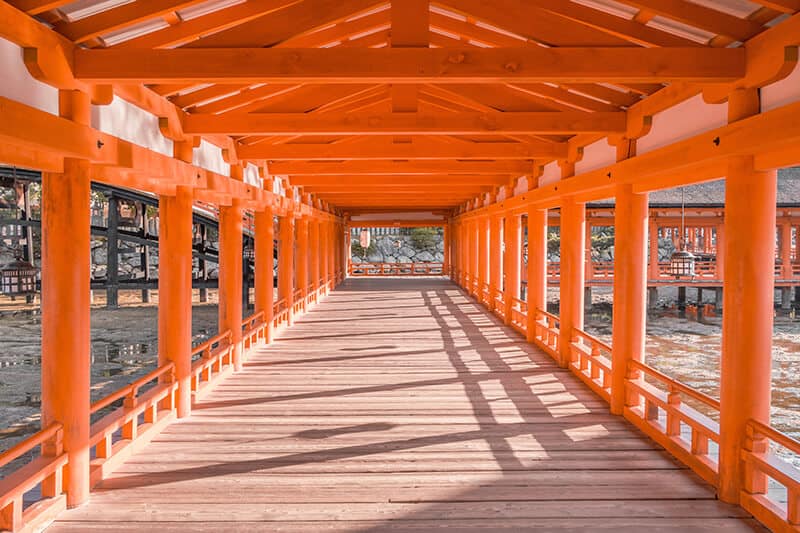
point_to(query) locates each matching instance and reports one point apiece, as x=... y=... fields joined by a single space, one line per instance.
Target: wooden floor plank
x=399 y=404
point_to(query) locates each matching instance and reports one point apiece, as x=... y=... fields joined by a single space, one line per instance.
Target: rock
x=424 y=257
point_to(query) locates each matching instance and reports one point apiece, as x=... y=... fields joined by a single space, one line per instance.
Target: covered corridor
x=402 y=403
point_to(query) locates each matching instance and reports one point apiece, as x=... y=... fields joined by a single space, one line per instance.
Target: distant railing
x=113 y=436
x=396 y=269
x=760 y=464
x=46 y=471
x=590 y=360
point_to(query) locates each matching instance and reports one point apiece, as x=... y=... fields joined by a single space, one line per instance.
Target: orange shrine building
x=421 y=396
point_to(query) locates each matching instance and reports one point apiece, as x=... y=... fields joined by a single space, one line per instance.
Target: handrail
x=23 y=447
x=133 y=388
x=200 y=348
x=762 y=463
x=675 y=384
x=255 y=318
x=590 y=360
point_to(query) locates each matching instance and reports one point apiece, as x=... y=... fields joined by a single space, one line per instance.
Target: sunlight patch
x=585 y=433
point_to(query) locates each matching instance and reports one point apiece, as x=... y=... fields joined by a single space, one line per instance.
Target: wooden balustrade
x=253 y=329
x=142 y=415
x=761 y=464
x=299 y=302
x=547 y=334
x=45 y=471
x=656 y=406
x=590 y=360
x=210 y=360
x=280 y=314
x=519 y=315
x=396 y=269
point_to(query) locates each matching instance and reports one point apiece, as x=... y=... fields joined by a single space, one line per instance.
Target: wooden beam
x=411 y=65
x=346 y=168
x=566 y=123
x=376 y=148
x=364 y=180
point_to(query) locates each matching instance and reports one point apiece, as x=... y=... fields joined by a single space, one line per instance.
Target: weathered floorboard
x=400 y=404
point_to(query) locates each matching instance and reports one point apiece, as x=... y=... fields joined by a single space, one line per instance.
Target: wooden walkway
x=400 y=404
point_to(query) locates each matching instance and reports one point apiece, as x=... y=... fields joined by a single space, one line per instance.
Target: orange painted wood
x=400 y=403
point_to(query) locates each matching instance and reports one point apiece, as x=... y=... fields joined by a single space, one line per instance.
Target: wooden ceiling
x=409 y=104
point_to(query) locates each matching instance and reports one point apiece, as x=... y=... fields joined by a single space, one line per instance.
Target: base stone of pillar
x=587 y=298
x=718 y=298
x=652 y=297
x=786 y=298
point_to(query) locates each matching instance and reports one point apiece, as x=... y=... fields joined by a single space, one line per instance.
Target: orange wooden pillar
x=745 y=381
x=720 y=253
x=286 y=264
x=65 y=318
x=301 y=261
x=537 y=267
x=348 y=247
x=175 y=291
x=472 y=255
x=446 y=253
x=314 y=253
x=630 y=289
x=573 y=235
x=230 y=276
x=264 y=267
x=495 y=258
x=512 y=263
x=325 y=251
x=786 y=250
x=652 y=264
x=483 y=271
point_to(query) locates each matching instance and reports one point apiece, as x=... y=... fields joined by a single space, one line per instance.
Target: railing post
x=230 y=276
x=314 y=255
x=750 y=207
x=446 y=236
x=536 y=294
x=495 y=247
x=65 y=313
x=483 y=236
x=175 y=291
x=630 y=288
x=302 y=259
x=264 y=265
x=512 y=263
x=573 y=234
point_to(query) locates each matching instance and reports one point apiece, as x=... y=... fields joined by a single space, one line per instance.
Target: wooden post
x=325 y=252
x=446 y=252
x=512 y=264
x=652 y=270
x=495 y=259
x=573 y=233
x=112 y=254
x=630 y=288
x=537 y=267
x=230 y=276
x=349 y=246
x=302 y=258
x=286 y=265
x=65 y=316
x=786 y=250
x=175 y=291
x=313 y=253
x=264 y=254
x=483 y=235
x=750 y=205
x=720 y=254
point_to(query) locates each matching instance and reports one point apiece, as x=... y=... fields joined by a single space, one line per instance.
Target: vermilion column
x=264 y=265
x=325 y=251
x=512 y=263
x=175 y=291
x=786 y=250
x=65 y=317
x=230 y=276
x=720 y=253
x=630 y=288
x=750 y=206
x=537 y=267
x=484 y=263
x=286 y=264
x=573 y=234
x=446 y=260
x=302 y=257
x=314 y=253
x=495 y=259
x=652 y=271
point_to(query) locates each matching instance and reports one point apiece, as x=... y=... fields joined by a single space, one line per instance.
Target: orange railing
x=396 y=269
x=519 y=315
x=655 y=403
x=499 y=302
x=46 y=471
x=113 y=436
x=547 y=334
x=299 y=304
x=210 y=360
x=590 y=360
x=761 y=464
x=253 y=329
x=280 y=314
